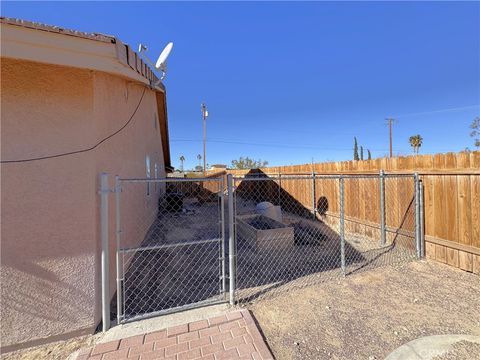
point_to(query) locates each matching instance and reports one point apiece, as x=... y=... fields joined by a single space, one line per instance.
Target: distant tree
x=475 y=134
x=247 y=163
x=369 y=155
x=361 y=152
x=199 y=157
x=355 y=149
x=182 y=159
x=199 y=168
x=415 y=142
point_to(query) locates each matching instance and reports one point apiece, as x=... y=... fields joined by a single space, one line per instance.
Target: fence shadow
x=313 y=255
x=401 y=246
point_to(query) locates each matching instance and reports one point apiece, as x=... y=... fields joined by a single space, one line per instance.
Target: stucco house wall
x=47 y=245
x=125 y=155
x=50 y=232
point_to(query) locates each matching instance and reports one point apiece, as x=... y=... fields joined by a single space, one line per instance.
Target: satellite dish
x=162 y=59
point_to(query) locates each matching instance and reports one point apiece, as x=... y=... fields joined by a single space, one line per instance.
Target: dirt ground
x=364 y=316
x=55 y=351
x=369 y=314
x=462 y=350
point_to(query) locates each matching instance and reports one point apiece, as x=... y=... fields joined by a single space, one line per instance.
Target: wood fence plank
x=440 y=253
x=475 y=208
x=452 y=257
x=464 y=214
x=430 y=251
x=465 y=261
x=451 y=210
x=429 y=204
x=440 y=212
x=476 y=264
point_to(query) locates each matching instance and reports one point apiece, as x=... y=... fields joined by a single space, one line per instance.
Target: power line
x=373 y=120
x=290 y=146
x=332 y=132
x=439 y=111
x=282 y=145
x=82 y=150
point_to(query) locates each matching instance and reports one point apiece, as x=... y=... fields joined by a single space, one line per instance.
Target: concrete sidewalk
x=234 y=335
x=428 y=347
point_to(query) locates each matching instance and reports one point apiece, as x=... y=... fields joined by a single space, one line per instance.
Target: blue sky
x=288 y=82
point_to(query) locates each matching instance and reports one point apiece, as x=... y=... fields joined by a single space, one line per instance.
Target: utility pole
x=390 y=122
x=204 y=116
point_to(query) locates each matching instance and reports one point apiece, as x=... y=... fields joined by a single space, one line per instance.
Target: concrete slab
x=161 y=322
x=428 y=347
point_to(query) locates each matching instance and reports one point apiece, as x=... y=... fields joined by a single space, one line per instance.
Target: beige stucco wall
x=125 y=156
x=50 y=245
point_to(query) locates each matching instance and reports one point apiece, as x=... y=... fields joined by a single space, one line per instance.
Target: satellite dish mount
x=161 y=63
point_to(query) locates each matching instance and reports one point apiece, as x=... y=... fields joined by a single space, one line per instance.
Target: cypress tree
x=355 y=149
x=369 y=155
x=361 y=152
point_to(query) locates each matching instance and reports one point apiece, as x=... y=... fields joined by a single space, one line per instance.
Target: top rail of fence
x=172 y=179
x=266 y=177
x=451 y=172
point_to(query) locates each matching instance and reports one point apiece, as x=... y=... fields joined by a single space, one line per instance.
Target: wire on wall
x=82 y=150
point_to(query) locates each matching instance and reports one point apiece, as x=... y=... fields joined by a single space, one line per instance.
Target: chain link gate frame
x=182 y=248
x=294 y=261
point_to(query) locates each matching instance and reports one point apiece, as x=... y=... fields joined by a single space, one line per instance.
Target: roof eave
x=53 y=45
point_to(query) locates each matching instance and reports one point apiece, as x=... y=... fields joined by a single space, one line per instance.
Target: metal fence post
x=231 y=240
x=422 y=220
x=342 y=224
x=104 y=191
x=279 y=189
x=417 y=216
x=222 y=248
x=314 y=206
x=383 y=234
x=118 y=232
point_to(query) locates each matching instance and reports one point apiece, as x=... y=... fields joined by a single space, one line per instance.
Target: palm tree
x=182 y=159
x=199 y=157
x=415 y=142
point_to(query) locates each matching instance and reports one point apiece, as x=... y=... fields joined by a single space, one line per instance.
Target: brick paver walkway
x=231 y=336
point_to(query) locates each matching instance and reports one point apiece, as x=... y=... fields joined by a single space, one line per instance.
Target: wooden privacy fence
x=451 y=199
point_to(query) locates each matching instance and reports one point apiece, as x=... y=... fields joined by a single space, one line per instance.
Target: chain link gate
x=170 y=245
x=174 y=250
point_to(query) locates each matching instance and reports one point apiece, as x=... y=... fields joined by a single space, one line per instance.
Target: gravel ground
x=369 y=314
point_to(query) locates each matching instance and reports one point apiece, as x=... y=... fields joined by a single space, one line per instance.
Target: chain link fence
x=292 y=231
x=183 y=243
